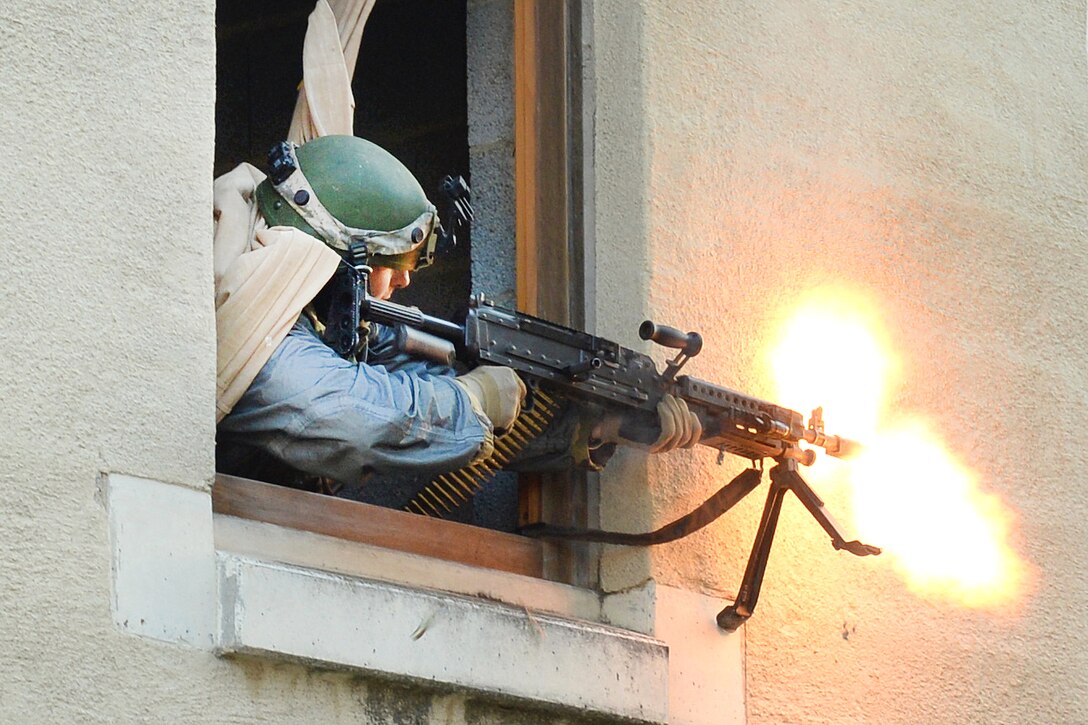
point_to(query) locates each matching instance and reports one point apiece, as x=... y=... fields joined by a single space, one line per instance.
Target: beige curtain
x=325 y=103
x=264 y=277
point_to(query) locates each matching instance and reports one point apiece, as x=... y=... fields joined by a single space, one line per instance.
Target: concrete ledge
x=306 y=550
x=345 y=622
x=162 y=560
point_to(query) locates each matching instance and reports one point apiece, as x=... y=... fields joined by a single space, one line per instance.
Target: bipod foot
x=856 y=548
x=730 y=618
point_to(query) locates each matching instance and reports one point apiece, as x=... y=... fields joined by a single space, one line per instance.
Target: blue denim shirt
x=326 y=416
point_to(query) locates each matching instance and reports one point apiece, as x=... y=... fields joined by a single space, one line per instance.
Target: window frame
x=186 y=576
x=553 y=171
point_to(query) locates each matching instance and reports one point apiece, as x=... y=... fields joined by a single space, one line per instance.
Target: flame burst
x=943 y=534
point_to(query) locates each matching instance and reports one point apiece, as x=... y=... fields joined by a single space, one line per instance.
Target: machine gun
x=560 y=362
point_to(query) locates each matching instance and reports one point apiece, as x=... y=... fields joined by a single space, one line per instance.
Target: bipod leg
x=738 y=613
x=786 y=475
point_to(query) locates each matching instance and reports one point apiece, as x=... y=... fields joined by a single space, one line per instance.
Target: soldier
x=287 y=403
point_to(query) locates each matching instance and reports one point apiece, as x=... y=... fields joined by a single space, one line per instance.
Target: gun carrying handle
x=690 y=343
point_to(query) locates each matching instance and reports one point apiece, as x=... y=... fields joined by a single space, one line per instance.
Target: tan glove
x=680 y=428
x=496 y=391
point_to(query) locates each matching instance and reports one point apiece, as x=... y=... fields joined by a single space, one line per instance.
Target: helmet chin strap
x=349 y=291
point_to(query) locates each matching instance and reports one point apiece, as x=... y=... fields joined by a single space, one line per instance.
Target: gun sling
x=705 y=513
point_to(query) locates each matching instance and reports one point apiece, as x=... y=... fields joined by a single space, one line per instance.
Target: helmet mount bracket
x=459 y=212
x=281 y=162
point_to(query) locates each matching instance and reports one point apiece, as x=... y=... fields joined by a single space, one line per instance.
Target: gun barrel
x=390 y=313
x=836 y=446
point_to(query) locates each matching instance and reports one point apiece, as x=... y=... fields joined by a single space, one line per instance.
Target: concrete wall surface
x=925 y=162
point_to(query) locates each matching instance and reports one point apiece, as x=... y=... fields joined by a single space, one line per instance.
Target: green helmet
x=344 y=189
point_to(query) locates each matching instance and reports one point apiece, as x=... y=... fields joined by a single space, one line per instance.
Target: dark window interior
x=410 y=94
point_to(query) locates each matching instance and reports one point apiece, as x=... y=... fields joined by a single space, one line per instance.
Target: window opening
x=410 y=88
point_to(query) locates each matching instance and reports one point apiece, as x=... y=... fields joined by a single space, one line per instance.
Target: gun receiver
x=576 y=365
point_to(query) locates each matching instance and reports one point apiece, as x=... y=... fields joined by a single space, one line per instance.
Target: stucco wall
x=108 y=336
x=930 y=157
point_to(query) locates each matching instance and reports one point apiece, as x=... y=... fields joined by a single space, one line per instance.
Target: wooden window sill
x=367 y=524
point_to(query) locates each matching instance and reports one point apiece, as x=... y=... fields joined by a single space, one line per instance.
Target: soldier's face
x=384 y=280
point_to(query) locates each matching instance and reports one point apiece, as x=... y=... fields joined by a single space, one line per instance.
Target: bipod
x=784 y=478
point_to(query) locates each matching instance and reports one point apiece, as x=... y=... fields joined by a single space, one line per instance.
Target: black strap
x=708 y=511
x=349 y=290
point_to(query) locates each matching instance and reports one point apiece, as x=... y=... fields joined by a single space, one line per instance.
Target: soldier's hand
x=497 y=391
x=680 y=428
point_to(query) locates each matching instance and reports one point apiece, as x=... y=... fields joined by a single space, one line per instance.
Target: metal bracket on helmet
x=281 y=162
x=459 y=211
